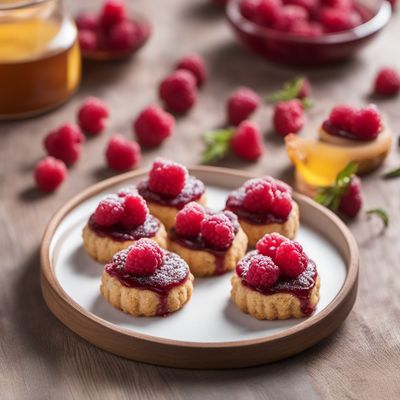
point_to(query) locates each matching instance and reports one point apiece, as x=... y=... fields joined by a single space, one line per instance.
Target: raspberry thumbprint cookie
x=145 y=280
x=168 y=188
x=118 y=221
x=360 y=130
x=264 y=205
x=211 y=243
x=276 y=281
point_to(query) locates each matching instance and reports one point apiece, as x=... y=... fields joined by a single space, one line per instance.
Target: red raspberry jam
x=333 y=130
x=173 y=272
x=199 y=244
x=234 y=203
x=301 y=286
x=121 y=233
x=192 y=191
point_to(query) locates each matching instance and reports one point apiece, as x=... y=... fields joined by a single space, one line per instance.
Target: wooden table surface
x=40 y=358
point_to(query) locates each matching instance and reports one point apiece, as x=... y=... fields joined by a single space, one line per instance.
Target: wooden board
x=40 y=357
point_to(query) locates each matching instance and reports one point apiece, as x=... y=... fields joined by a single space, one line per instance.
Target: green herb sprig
x=217 y=144
x=291 y=90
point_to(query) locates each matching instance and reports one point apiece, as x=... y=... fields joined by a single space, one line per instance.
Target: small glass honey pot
x=40 y=63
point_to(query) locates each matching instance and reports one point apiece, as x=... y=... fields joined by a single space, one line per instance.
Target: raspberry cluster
x=111 y=30
x=307 y=18
x=216 y=229
x=276 y=257
x=267 y=195
x=127 y=208
x=363 y=124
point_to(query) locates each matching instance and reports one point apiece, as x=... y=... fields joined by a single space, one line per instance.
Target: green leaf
x=382 y=214
x=218 y=144
x=346 y=173
x=291 y=90
x=394 y=173
x=330 y=196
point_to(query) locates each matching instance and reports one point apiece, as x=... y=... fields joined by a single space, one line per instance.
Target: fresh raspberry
x=188 y=220
x=123 y=36
x=194 y=64
x=309 y=5
x=178 y=90
x=246 y=141
x=288 y=117
x=277 y=185
x=122 y=154
x=336 y=19
x=136 y=211
x=269 y=243
x=87 y=40
x=249 y=9
x=144 y=258
x=351 y=202
x=342 y=117
x=259 y=196
x=87 y=21
x=112 y=13
x=241 y=104
x=217 y=231
x=291 y=259
x=387 y=82
x=167 y=177
x=289 y=16
x=282 y=204
x=262 y=272
x=92 y=115
x=49 y=174
x=367 y=123
x=153 y=125
x=268 y=12
x=109 y=212
x=65 y=143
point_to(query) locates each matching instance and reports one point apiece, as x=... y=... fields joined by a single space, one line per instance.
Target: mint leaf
x=382 y=214
x=330 y=196
x=218 y=144
x=394 y=173
x=291 y=90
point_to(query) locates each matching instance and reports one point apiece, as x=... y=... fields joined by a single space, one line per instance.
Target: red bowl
x=295 y=50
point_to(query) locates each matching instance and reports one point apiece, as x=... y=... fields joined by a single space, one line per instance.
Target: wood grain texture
x=41 y=359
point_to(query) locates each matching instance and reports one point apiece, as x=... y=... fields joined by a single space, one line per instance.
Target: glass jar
x=40 y=64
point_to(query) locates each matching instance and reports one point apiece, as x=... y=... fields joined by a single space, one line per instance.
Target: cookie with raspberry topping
x=264 y=205
x=362 y=130
x=145 y=280
x=118 y=221
x=168 y=188
x=211 y=243
x=277 y=281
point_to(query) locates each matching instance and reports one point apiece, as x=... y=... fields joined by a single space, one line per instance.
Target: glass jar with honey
x=39 y=57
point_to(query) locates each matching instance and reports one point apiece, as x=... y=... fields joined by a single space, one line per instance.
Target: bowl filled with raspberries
x=112 y=32
x=307 y=32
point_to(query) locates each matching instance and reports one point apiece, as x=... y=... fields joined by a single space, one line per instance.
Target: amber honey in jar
x=39 y=57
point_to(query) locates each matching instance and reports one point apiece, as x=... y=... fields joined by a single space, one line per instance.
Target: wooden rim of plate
x=167 y=352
